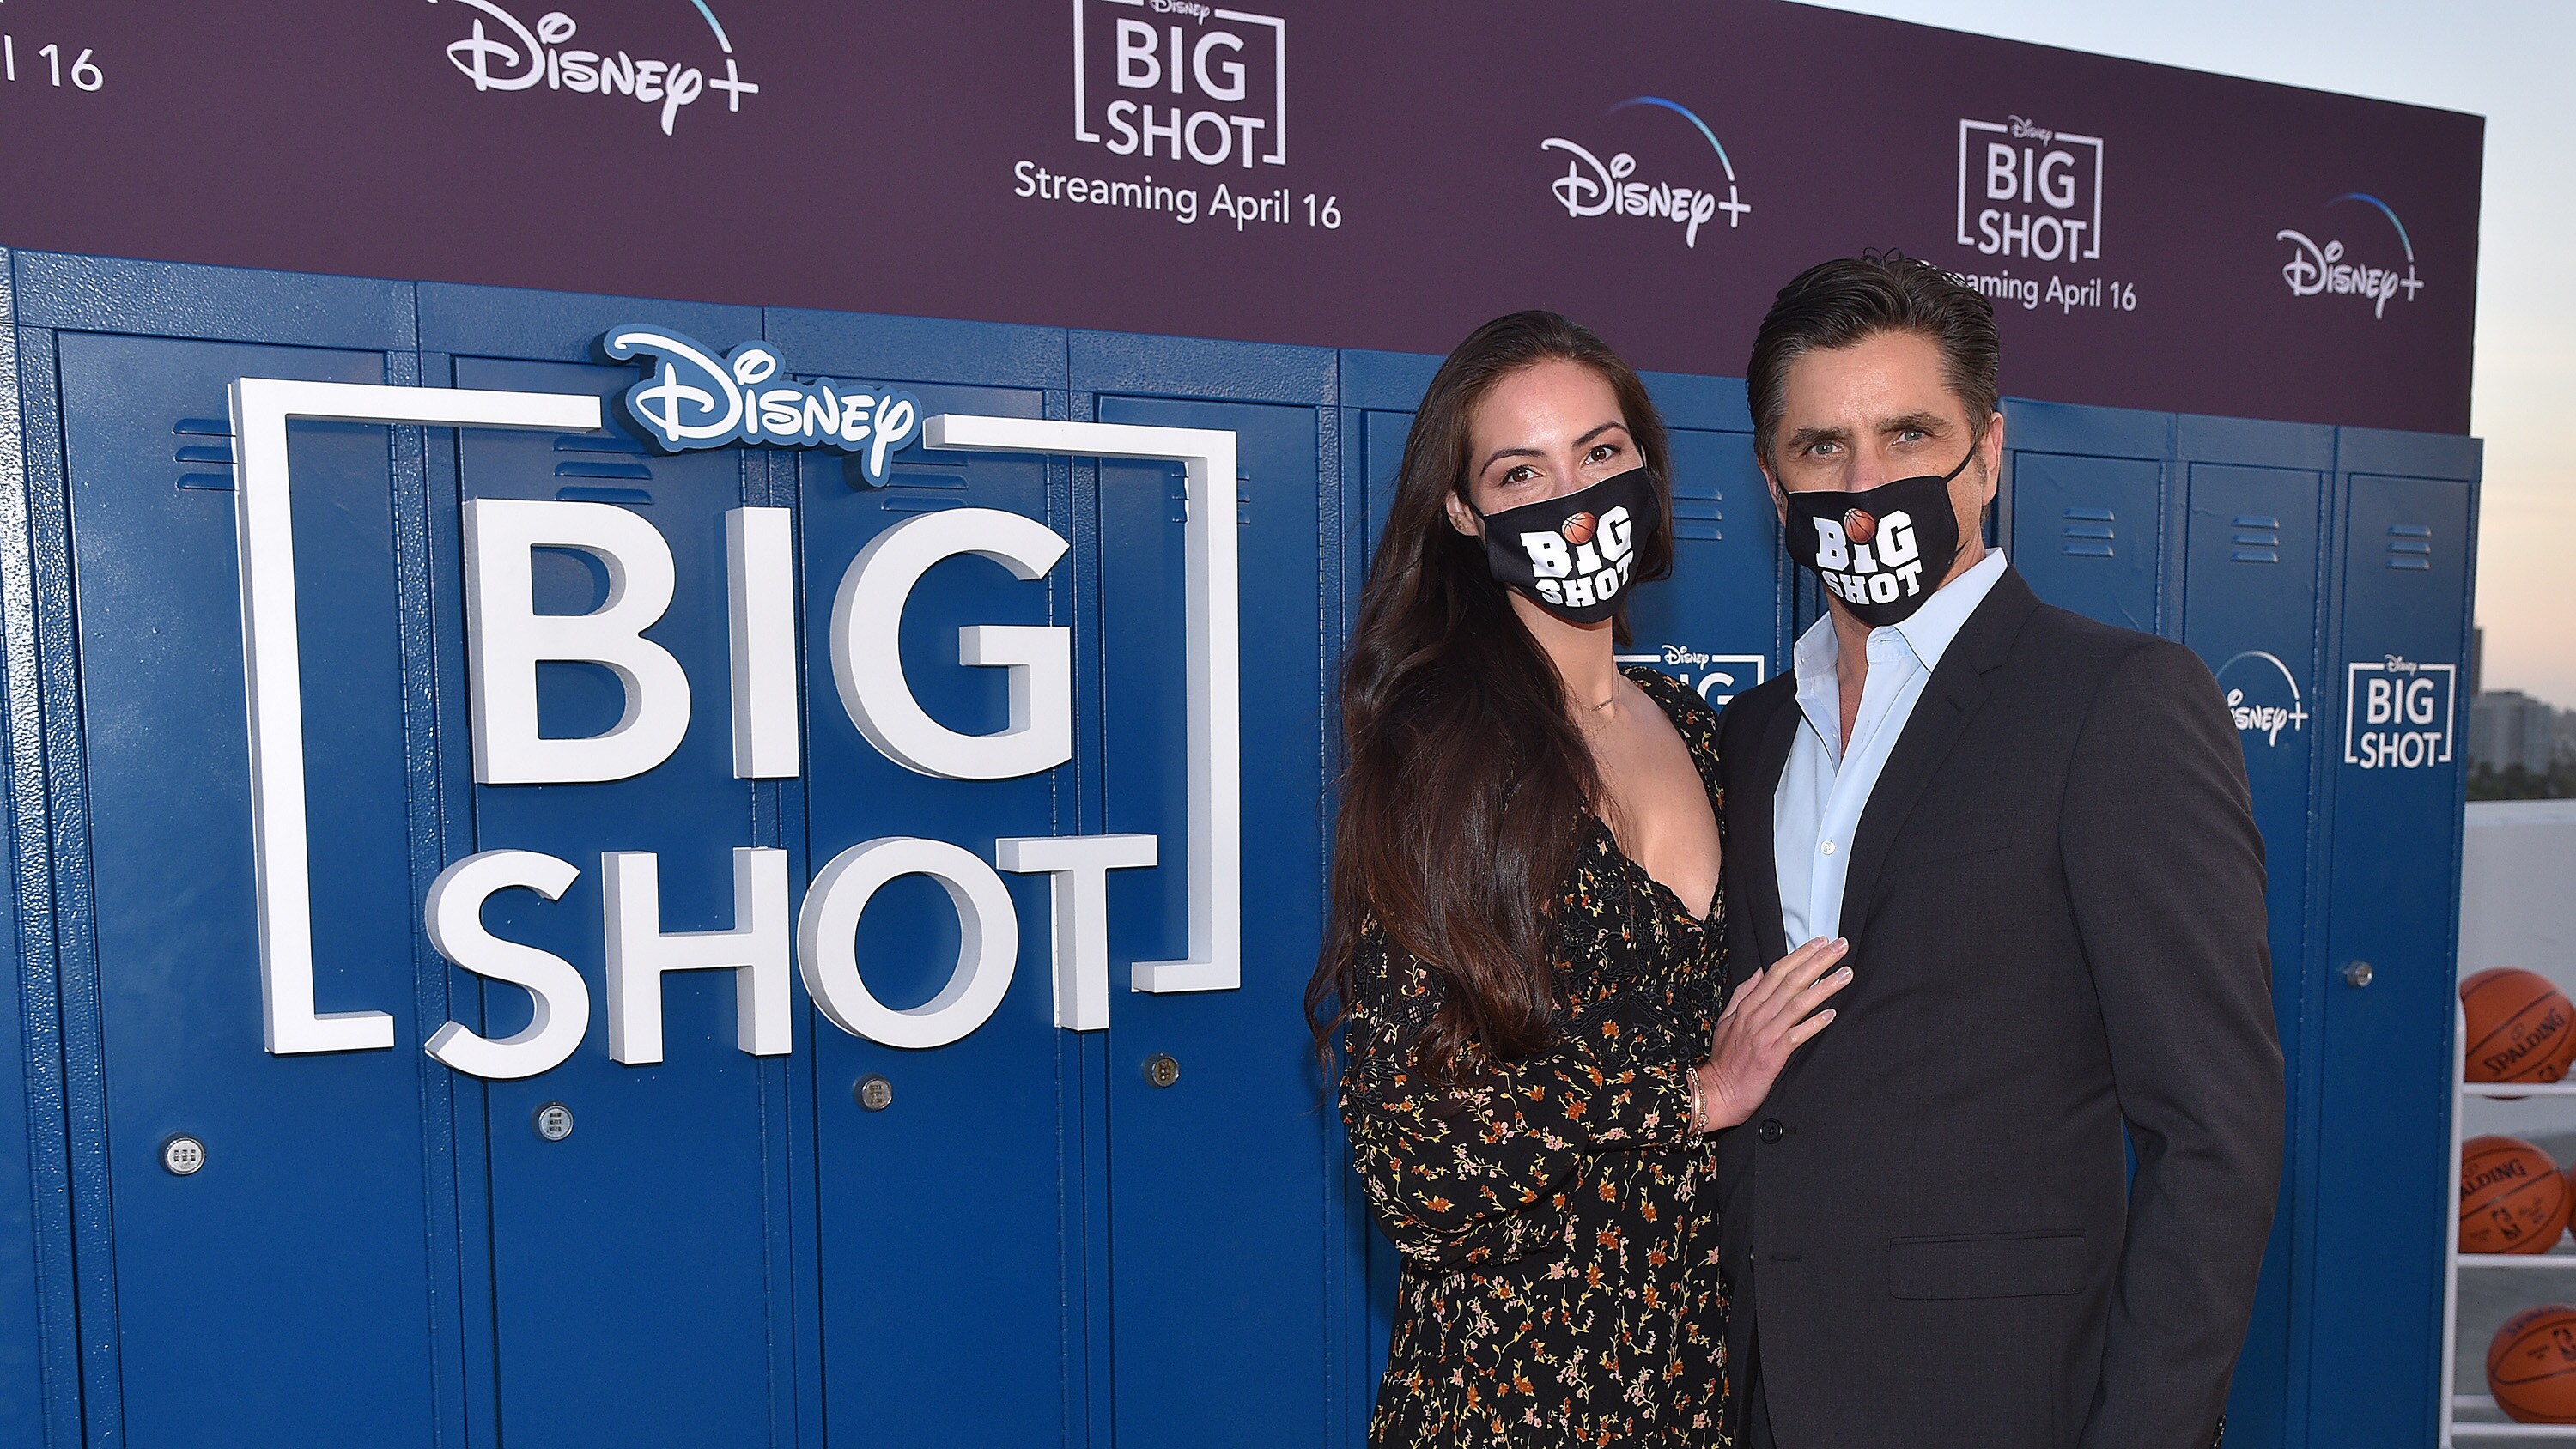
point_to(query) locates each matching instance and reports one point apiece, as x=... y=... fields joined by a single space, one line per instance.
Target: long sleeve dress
x=1557 y=1221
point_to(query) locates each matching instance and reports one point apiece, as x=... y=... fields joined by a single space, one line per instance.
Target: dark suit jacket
x=2055 y=904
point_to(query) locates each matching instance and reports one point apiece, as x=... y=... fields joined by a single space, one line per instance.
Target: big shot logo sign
x=1864 y=559
x=2027 y=191
x=692 y=396
x=501 y=52
x=1171 y=79
x=2398 y=713
x=1687 y=196
x=2331 y=269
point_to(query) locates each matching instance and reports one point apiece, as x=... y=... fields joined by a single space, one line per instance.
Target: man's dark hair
x=1850 y=299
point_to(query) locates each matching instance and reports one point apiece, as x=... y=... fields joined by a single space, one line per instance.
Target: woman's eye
x=1604 y=452
x=1521 y=474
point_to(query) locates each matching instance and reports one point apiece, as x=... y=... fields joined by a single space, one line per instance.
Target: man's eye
x=1911 y=435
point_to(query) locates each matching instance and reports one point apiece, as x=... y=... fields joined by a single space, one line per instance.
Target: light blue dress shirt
x=1825 y=787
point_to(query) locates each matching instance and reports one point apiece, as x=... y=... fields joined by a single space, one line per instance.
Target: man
x=2034 y=830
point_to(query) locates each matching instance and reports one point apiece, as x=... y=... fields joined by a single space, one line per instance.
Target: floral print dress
x=1557 y=1220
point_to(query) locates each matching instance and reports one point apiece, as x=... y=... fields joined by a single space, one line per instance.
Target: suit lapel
x=1951 y=697
x=1761 y=903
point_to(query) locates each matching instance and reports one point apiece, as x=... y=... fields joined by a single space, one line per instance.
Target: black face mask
x=1883 y=551
x=1575 y=555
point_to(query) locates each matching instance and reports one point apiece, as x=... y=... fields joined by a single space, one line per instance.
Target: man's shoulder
x=2075 y=657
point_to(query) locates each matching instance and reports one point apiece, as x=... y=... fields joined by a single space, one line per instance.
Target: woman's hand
x=1770 y=1016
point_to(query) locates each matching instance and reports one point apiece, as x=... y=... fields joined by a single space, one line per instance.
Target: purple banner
x=1330 y=174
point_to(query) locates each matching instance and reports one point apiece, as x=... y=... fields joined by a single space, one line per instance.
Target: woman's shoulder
x=1690 y=713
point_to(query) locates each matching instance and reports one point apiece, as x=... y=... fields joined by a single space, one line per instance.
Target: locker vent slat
x=2410 y=546
x=600 y=493
x=589 y=468
x=2088 y=533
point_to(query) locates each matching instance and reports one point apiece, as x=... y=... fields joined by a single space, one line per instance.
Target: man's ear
x=1990 y=450
x=1463 y=518
x=1779 y=498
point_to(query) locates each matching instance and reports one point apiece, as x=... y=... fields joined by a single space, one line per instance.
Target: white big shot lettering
x=2042 y=191
x=509 y=641
x=1878 y=572
x=1581 y=575
x=1217 y=117
x=2398 y=713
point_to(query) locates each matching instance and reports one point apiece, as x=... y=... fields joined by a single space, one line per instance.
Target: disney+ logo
x=510 y=55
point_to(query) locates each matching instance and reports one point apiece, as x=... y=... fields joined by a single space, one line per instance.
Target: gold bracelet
x=1696 y=1116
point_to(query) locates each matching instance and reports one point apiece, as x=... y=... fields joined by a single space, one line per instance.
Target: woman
x=1527 y=941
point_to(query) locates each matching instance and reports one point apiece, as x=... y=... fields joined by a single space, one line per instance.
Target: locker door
x=2251 y=610
x=628 y=1261
x=2085 y=492
x=2383 y=1190
x=951 y=1222
x=282 y=1294
x=1718 y=623
x=1220 y=1274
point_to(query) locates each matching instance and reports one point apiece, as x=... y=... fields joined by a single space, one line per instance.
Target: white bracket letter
x=760 y=570
x=867 y=620
x=273 y=671
x=507 y=638
x=1078 y=903
x=454 y=916
x=988 y=941
x=755 y=950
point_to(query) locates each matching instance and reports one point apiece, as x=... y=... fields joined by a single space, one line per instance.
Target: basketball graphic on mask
x=2531 y=1365
x=2521 y=1029
x=2512 y=1198
x=1579 y=528
x=1859 y=526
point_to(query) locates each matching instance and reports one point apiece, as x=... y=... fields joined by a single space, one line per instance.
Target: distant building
x=2508 y=727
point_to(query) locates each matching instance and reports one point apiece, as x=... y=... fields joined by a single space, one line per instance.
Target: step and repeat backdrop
x=1342 y=174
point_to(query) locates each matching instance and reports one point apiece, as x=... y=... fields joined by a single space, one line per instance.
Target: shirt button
x=1771 y=1131
x=1829 y=847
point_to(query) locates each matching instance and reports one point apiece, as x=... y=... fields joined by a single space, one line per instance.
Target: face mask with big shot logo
x=1574 y=555
x=1882 y=551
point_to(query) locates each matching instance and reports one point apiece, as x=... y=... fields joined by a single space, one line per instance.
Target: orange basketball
x=1859 y=526
x=2521 y=1029
x=1579 y=528
x=2531 y=1365
x=2512 y=1198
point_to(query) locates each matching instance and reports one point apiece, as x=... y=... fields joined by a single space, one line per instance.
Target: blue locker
x=911 y=1196
x=597 y=1229
x=2383 y=1189
x=2083 y=507
x=2254 y=562
x=302 y=1238
x=1235 y=1149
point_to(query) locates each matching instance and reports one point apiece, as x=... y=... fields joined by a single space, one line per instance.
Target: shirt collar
x=1928 y=632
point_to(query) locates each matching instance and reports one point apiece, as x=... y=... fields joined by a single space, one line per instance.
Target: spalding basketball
x=2521 y=1029
x=2531 y=1365
x=2512 y=1198
x=1578 y=529
x=1859 y=526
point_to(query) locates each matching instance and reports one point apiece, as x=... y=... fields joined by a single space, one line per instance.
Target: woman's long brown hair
x=1466 y=780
